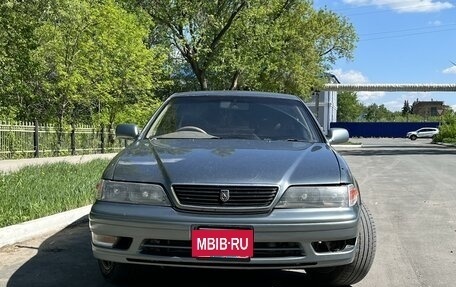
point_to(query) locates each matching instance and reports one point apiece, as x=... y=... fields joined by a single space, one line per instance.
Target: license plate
x=222 y=243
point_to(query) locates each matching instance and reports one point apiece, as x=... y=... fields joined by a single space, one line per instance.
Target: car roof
x=235 y=93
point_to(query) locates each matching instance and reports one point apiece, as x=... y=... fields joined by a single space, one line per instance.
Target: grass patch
x=40 y=190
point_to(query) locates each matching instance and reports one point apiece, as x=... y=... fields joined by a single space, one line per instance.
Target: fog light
x=107 y=241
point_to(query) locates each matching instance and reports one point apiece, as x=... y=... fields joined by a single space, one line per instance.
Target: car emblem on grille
x=224 y=195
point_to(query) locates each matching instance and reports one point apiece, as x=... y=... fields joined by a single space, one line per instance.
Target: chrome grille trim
x=239 y=196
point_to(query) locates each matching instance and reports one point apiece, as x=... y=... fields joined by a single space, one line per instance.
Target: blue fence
x=381 y=129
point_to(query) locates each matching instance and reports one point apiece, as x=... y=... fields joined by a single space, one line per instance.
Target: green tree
x=18 y=20
x=266 y=52
x=406 y=108
x=69 y=61
x=447 y=128
x=377 y=113
x=195 y=28
x=62 y=55
x=279 y=45
x=85 y=60
x=348 y=107
x=93 y=58
x=124 y=71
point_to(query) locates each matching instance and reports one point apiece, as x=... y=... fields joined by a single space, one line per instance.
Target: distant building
x=428 y=108
x=323 y=104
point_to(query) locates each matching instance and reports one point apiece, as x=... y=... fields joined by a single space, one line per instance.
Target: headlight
x=130 y=192
x=319 y=196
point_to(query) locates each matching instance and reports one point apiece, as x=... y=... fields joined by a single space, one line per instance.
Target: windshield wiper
x=296 y=140
x=185 y=135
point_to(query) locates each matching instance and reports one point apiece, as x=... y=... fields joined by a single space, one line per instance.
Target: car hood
x=214 y=161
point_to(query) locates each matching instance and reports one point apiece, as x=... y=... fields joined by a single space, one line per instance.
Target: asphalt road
x=410 y=188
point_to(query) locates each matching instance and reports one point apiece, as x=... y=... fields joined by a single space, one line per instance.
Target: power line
x=399 y=33
x=391 y=87
x=409 y=29
x=387 y=7
x=406 y=35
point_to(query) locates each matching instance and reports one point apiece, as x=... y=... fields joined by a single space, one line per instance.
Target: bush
x=447 y=129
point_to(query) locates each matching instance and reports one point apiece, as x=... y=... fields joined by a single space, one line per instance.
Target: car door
x=425 y=133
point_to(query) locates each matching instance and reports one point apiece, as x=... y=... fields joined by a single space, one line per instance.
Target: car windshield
x=228 y=117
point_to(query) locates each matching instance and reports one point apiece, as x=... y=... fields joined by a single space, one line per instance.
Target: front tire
x=114 y=272
x=364 y=256
x=413 y=137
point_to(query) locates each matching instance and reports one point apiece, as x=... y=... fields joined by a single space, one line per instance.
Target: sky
x=400 y=42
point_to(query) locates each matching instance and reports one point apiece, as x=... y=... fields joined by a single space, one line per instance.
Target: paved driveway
x=410 y=187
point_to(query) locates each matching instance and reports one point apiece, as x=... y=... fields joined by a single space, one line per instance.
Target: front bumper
x=287 y=238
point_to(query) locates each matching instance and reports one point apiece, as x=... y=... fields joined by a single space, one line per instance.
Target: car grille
x=238 y=196
x=182 y=248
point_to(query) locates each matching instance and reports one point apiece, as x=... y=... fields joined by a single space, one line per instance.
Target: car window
x=235 y=117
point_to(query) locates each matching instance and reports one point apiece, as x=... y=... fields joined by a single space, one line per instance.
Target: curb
x=348 y=146
x=446 y=144
x=38 y=227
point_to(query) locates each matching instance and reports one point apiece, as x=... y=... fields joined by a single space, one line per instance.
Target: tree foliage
x=377 y=113
x=349 y=108
x=447 y=128
x=278 y=45
x=18 y=20
x=84 y=61
x=406 y=109
x=101 y=61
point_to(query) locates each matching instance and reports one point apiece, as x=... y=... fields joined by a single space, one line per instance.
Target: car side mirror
x=337 y=135
x=127 y=131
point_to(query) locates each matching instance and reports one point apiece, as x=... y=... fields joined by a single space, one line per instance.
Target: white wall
x=327 y=108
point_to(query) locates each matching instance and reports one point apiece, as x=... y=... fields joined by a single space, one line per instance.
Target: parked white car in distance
x=425 y=132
